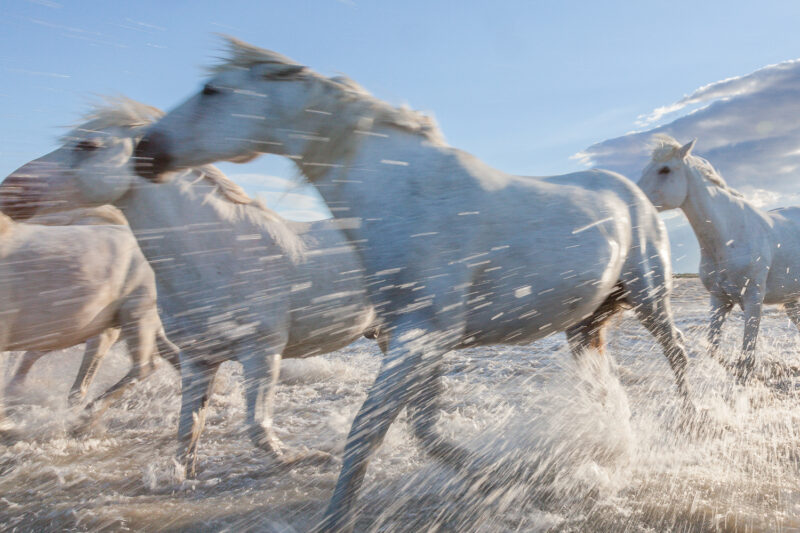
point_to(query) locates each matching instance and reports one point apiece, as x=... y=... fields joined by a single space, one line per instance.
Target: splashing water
x=559 y=445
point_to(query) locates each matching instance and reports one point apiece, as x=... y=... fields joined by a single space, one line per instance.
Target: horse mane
x=665 y=147
x=355 y=108
x=233 y=204
x=113 y=112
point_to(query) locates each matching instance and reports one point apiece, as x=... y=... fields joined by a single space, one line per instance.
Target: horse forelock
x=113 y=112
x=666 y=147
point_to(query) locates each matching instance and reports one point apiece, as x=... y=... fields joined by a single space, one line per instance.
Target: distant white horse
x=235 y=280
x=458 y=254
x=96 y=347
x=63 y=285
x=748 y=257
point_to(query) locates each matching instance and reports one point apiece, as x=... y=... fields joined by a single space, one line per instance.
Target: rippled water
x=559 y=446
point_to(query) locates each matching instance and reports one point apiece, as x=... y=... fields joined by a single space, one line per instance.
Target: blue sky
x=522 y=85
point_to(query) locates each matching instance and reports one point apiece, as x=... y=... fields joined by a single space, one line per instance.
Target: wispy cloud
x=746 y=126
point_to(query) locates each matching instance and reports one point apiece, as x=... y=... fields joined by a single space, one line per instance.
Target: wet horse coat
x=235 y=280
x=748 y=257
x=456 y=253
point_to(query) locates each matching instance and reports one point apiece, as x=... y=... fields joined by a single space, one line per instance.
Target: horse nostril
x=151 y=157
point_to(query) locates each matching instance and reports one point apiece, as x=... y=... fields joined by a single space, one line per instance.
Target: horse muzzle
x=151 y=159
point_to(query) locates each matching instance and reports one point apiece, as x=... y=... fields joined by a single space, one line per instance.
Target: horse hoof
x=307 y=457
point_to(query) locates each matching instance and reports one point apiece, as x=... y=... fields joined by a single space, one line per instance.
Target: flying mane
x=665 y=147
x=241 y=55
x=228 y=199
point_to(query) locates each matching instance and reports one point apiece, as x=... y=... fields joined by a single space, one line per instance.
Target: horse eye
x=87 y=146
x=210 y=90
x=663 y=171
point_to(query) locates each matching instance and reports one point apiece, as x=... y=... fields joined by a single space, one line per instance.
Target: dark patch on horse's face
x=151 y=159
x=20 y=193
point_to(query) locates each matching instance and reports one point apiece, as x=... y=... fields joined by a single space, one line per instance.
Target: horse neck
x=380 y=154
x=150 y=206
x=712 y=211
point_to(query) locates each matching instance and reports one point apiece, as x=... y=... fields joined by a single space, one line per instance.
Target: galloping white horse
x=748 y=257
x=235 y=280
x=96 y=347
x=457 y=253
x=63 y=285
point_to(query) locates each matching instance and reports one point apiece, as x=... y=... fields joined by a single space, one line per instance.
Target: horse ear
x=686 y=149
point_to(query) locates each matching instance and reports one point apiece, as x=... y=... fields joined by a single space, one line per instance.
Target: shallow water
x=559 y=446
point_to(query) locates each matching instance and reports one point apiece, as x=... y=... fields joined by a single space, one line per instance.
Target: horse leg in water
x=409 y=376
x=720 y=309
x=261 y=368
x=647 y=291
x=96 y=349
x=752 y=302
x=139 y=328
x=14 y=387
x=197 y=384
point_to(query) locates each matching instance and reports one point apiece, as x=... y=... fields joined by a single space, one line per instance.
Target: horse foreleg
x=28 y=359
x=720 y=309
x=424 y=409
x=393 y=388
x=96 y=349
x=197 y=383
x=752 y=303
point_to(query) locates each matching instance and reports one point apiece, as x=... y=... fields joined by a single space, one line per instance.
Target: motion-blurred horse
x=96 y=347
x=235 y=280
x=461 y=254
x=748 y=257
x=67 y=284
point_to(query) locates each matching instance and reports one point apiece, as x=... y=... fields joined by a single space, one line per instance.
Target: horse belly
x=328 y=323
x=524 y=308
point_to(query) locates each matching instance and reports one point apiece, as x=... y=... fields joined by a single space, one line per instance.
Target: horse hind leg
x=590 y=333
x=139 y=329
x=649 y=297
x=96 y=349
x=14 y=387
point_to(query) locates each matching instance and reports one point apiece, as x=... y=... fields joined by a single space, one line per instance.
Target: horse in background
x=96 y=347
x=458 y=253
x=68 y=284
x=748 y=257
x=235 y=280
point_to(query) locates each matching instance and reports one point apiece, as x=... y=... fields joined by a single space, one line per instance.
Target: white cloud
x=746 y=126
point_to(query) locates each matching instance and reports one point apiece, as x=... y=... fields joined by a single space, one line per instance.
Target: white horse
x=458 y=254
x=748 y=257
x=64 y=285
x=235 y=280
x=96 y=347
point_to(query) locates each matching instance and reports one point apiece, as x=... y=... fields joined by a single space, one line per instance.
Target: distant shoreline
x=684 y=275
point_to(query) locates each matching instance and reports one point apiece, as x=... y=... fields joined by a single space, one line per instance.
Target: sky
x=523 y=85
